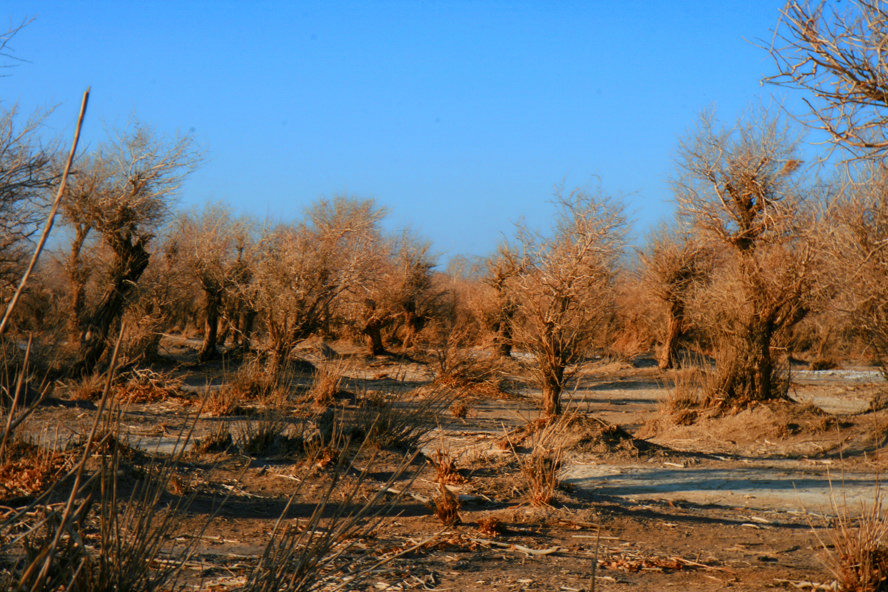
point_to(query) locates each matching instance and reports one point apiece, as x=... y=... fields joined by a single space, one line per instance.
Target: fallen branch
x=517 y=547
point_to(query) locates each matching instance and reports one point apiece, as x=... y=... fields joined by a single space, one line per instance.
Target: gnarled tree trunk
x=131 y=261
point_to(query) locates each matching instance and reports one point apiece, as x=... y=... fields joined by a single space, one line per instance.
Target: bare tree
x=564 y=292
x=502 y=268
x=125 y=204
x=738 y=191
x=674 y=264
x=857 y=249
x=302 y=270
x=837 y=53
x=212 y=244
x=26 y=173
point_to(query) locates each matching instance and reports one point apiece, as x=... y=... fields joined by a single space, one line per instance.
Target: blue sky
x=460 y=117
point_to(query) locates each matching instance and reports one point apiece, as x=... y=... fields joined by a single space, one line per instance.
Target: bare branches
x=838 y=53
x=563 y=292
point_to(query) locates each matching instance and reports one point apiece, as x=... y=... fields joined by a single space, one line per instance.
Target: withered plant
x=564 y=292
x=834 y=52
x=122 y=194
x=738 y=193
x=674 y=265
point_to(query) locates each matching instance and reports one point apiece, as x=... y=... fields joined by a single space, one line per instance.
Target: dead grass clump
x=30 y=470
x=447 y=506
x=147 y=386
x=224 y=403
x=268 y=436
x=445 y=467
x=87 y=388
x=459 y=409
x=490 y=527
x=402 y=423
x=326 y=385
x=857 y=553
x=541 y=467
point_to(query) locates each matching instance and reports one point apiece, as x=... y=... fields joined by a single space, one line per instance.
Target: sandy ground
x=728 y=503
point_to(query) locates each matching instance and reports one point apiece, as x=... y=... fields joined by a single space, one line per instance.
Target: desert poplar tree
x=212 y=244
x=674 y=264
x=738 y=190
x=123 y=197
x=564 y=292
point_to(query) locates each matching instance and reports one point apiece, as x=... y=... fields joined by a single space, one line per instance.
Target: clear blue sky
x=460 y=117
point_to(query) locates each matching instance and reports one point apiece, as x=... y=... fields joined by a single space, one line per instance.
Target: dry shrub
x=445 y=467
x=446 y=506
x=490 y=526
x=459 y=409
x=269 y=435
x=397 y=423
x=88 y=388
x=541 y=467
x=326 y=384
x=30 y=470
x=222 y=403
x=857 y=553
x=147 y=386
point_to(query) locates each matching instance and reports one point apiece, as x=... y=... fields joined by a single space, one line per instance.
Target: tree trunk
x=670 y=344
x=373 y=331
x=552 y=383
x=131 y=261
x=764 y=366
x=209 y=351
x=77 y=276
x=504 y=338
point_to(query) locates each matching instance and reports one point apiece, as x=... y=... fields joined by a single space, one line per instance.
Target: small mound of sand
x=778 y=420
x=599 y=437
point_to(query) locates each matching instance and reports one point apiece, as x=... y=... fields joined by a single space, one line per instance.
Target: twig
x=517 y=547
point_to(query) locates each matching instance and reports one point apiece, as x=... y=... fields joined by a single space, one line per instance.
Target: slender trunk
x=77 y=276
x=209 y=351
x=551 y=396
x=670 y=344
x=247 y=321
x=504 y=338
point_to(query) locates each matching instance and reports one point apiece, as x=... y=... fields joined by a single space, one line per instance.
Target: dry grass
x=147 y=386
x=269 y=435
x=541 y=467
x=445 y=467
x=218 y=440
x=223 y=403
x=490 y=527
x=399 y=422
x=857 y=552
x=446 y=506
x=326 y=384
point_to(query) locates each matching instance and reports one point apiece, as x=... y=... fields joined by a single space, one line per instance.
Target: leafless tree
x=124 y=197
x=564 y=292
x=26 y=174
x=739 y=191
x=303 y=269
x=212 y=244
x=673 y=265
x=397 y=289
x=857 y=249
x=836 y=52
x=502 y=268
